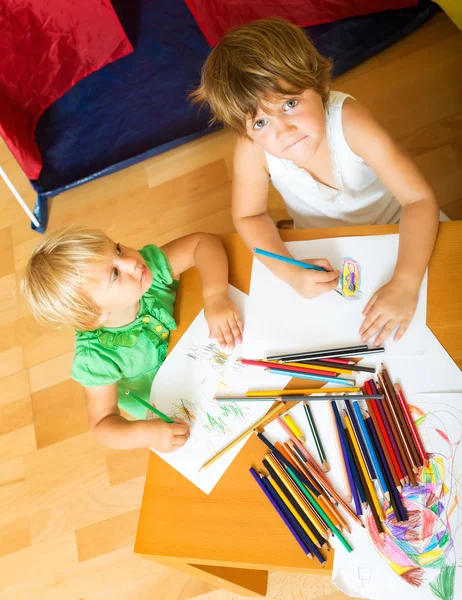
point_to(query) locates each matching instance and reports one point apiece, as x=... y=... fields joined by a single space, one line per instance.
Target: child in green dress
x=120 y=302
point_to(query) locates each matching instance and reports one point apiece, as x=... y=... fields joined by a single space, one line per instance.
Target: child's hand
x=167 y=437
x=310 y=283
x=223 y=319
x=390 y=306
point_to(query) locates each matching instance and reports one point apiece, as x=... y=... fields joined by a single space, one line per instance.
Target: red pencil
x=411 y=424
x=386 y=438
x=285 y=367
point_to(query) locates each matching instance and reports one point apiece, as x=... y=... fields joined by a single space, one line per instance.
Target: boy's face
x=291 y=127
x=119 y=281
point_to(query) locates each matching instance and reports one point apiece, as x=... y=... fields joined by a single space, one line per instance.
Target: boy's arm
x=257 y=229
x=114 y=431
x=205 y=251
x=418 y=225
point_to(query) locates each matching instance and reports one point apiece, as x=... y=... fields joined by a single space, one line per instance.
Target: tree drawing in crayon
x=421 y=550
x=212 y=355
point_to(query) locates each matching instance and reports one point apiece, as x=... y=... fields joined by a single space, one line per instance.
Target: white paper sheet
x=279 y=320
x=193 y=373
x=365 y=573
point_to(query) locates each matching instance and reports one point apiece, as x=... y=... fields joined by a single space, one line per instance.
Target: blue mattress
x=137 y=107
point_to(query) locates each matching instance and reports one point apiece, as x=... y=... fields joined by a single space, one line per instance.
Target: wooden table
x=232 y=537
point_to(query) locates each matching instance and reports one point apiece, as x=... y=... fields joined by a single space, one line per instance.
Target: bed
x=137 y=106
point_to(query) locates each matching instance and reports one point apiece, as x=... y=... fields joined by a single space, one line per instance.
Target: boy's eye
x=115 y=274
x=260 y=123
x=118 y=249
x=290 y=104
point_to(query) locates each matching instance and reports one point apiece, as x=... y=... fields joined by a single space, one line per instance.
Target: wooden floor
x=69 y=507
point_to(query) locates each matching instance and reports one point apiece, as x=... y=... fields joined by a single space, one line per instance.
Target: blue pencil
x=280 y=512
x=371 y=450
x=297 y=375
x=348 y=462
x=359 y=439
x=286 y=259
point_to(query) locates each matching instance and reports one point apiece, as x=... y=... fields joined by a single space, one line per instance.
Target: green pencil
x=150 y=407
x=317 y=439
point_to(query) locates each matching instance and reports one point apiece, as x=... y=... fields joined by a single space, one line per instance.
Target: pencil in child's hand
x=286 y=259
x=153 y=409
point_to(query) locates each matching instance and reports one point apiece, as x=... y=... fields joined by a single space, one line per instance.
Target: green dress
x=131 y=355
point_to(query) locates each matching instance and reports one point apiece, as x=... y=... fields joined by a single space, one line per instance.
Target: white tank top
x=361 y=198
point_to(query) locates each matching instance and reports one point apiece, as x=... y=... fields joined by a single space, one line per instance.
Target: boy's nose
x=129 y=264
x=285 y=129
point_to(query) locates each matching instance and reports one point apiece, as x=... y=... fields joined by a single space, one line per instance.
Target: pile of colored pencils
x=380 y=451
x=328 y=366
x=301 y=493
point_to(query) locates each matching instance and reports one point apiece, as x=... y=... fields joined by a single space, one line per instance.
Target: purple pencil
x=346 y=457
x=256 y=476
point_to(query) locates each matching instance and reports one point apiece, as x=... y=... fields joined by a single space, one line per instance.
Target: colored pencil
x=343 y=361
x=395 y=480
x=323 y=354
x=305 y=392
x=280 y=512
x=348 y=461
x=269 y=483
x=298 y=375
x=332 y=363
x=413 y=455
x=395 y=427
x=285 y=366
x=287 y=259
x=341 y=454
x=411 y=423
x=326 y=370
x=293 y=398
x=368 y=481
x=271 y=413
x=153 y=409
x=294 y=427
x=395 y=499
x=361 y=442
x=356 y=472
x=316 y=438
x=286 y=482
x=297 y=460
x=283 y=460
x=393 y=447
x=371 y=450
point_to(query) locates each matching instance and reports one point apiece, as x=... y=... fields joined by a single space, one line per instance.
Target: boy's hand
x=392 y=305
x=223 y=319
x=310 y=283
x=167 y=437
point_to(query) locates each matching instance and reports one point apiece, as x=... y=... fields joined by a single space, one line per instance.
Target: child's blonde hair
x=55 y=272
x=252 y=62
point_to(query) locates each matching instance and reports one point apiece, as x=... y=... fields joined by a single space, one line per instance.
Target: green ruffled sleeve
x=163 y=288
x=93 y=369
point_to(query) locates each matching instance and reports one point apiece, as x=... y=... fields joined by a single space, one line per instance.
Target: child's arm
x=394 y=304
x=254 y=225
x=112 y=430
x=205 y=251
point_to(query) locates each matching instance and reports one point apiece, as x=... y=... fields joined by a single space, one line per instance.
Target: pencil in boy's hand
x=286 y=259
x=153 y=409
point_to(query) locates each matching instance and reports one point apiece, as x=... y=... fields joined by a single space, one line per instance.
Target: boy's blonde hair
x=252 y=62
x=55 y=272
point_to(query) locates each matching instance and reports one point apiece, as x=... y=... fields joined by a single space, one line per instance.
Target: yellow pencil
x=294 y=428
x=362 y=464
x=299 y=499
x=302 y=523
x=306 y=392
x=273 y=411
x=318 y=367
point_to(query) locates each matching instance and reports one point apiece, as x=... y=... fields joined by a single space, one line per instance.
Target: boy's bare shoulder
x=359 y=125
x=249 y=157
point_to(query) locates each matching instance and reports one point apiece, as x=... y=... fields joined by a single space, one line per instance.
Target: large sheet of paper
x=193 y=373
x=281 y=321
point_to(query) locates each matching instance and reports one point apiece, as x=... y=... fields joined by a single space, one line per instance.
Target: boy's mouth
x=295 y=143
